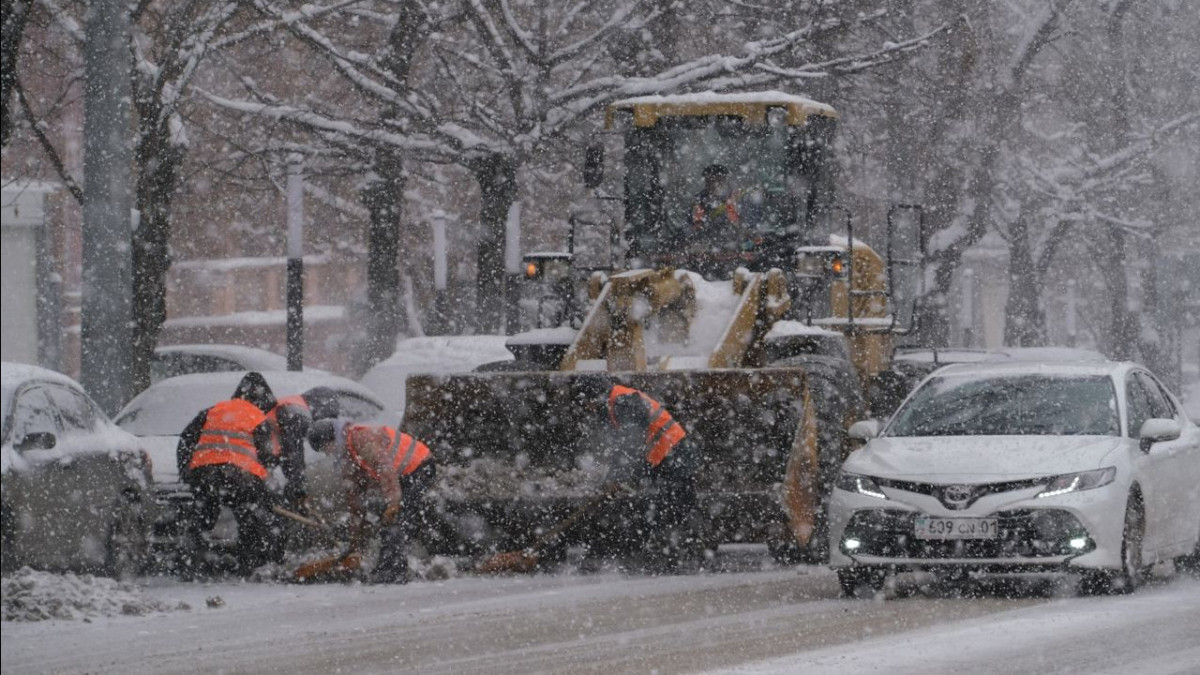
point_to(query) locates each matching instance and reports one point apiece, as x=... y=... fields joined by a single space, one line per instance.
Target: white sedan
x=1087 y=468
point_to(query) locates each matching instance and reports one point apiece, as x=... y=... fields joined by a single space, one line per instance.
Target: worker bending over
x=648 y=456
x=380 y=461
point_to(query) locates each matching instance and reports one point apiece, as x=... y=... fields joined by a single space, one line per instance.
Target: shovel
x=341 y=567
x=335 y=568
x=526 y=560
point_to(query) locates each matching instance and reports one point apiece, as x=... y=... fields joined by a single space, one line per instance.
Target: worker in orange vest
x=290 y=420
x=224 y=455
x=648 y=456
x=380 y=461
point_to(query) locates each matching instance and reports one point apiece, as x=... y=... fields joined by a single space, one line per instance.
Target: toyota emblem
x=957 y=496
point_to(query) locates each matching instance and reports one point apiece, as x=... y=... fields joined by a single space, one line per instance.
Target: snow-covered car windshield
x=1025 y=405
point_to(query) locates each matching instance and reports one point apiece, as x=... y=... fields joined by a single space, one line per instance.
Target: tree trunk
x=384 y=198
x=159 y=162
x=13 y=14
x=1024 y=321
x=1122 y=335
x=498 y=190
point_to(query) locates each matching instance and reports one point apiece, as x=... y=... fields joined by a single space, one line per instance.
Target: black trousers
x=415 y=517
x=260 y=538
x=660 y=520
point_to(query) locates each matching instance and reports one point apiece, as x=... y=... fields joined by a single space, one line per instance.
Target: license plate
x=928 y=527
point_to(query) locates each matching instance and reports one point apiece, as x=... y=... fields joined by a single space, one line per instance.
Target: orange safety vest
x=273 y=419
x=662 y=434
x=227 y=437
x=406 y=453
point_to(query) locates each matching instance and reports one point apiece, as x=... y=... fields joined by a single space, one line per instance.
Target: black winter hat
x=254 y=389
x=322 y=433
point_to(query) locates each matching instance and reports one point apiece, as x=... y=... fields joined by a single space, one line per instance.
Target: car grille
x=973 y=492
x=1029 y=533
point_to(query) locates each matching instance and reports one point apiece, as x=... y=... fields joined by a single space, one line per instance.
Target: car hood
x=980 y=458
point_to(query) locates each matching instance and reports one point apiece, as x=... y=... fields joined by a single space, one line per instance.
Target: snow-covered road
x=750 y=621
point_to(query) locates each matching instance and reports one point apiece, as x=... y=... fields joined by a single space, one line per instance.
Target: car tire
x=128 y=541
x=861 y=582
x=1126 y=579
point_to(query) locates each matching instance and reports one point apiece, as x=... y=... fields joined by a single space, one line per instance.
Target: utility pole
x=106 y=313
x=295 y=262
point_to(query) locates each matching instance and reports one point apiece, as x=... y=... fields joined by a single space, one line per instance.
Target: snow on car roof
x=13 y=375
x=166 y=407
x=434 y=354
x=251 y=357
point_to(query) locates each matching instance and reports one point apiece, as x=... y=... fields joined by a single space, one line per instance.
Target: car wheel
x=127 y=541
x=1129 y=577
x=861 y=582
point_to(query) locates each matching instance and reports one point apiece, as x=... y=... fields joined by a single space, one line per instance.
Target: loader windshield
x=772 y=180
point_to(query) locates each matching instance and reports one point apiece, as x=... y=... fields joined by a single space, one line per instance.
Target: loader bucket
x=514 y=449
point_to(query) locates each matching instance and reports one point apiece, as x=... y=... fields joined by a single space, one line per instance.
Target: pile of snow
x=432 y=355
x=788 y=329
x=30 y=595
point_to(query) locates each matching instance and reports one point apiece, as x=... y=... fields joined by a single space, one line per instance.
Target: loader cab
x=776 y=149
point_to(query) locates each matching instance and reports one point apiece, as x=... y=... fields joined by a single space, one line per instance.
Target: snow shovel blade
x=511 y=562
x=335 y=568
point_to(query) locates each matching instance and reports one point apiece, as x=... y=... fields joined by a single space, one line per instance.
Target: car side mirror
x=593 y=166
x=864 y=430
x=1158 y=429
x=38 y=440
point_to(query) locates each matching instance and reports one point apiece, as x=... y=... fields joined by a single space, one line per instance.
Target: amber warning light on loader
x=531 y=270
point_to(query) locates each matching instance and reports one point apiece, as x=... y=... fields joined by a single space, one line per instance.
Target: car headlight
x=863 y=485
x=1075 y=482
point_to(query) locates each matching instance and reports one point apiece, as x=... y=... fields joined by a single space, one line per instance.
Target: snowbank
x=30 y=595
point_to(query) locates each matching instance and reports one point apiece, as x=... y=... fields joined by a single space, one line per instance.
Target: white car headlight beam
x=863 y=485
x=1077 y=482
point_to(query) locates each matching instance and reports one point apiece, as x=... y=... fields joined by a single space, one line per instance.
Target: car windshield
x=1023 y=405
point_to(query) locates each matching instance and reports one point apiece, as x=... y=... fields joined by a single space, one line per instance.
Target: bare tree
x=170 y=43
x=502 y=84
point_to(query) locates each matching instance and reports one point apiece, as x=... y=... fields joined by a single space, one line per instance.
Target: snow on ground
x=440 y=354
x=750 y=616
x=1157 y=630
x=31 y=595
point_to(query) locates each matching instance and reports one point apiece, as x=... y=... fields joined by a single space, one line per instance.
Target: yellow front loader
x=762 y=356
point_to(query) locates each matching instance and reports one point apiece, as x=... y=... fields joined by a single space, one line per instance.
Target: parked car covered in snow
x=1090 y=468
x=159 y=414
x=73 y=482
x=175 y=360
